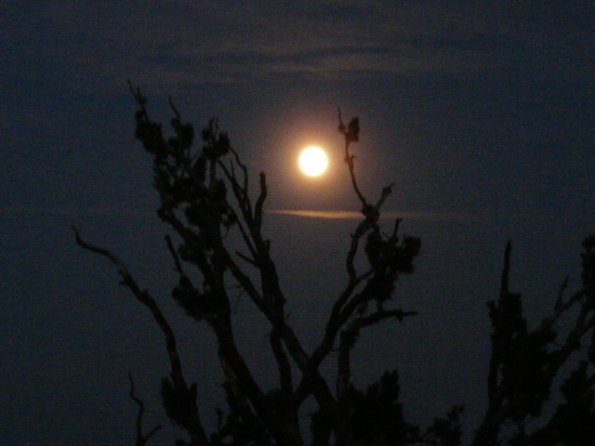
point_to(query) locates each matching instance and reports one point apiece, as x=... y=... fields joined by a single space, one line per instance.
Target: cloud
x=352 y=215
x=177 y=43
x=72 y=211
x=334 y=214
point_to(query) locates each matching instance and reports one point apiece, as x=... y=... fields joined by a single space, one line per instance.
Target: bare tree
x=204 y=193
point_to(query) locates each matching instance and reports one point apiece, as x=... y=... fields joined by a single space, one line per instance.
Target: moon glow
x=313 y=161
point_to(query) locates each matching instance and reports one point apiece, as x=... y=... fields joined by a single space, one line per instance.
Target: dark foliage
x=376 y=416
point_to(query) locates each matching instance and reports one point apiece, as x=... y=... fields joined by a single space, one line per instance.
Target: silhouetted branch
x=260 y=202
x=272 y=300
x=243 y=202
x=246 y=283
x=349 y=336
x=393 y=259
x=282 y=362
x=141 y=439
x=395 y=233
x=193 y=425
x=138 y=97
x=247 y=259
x=174 y=255
x=360 y=231
x=494 y=400
x=173 y=107
x=561 y=292
x=351 y=133
x=386 y=191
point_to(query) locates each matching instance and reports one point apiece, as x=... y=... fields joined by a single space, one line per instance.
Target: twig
x=282 y=362
x=260 y=201
x=141 y=439
x=349 y=336
x=247 y=259
x=174 y=254
x=349 y=160
x=173 y=107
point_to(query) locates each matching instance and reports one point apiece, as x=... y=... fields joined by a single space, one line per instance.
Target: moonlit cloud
x=353 y=215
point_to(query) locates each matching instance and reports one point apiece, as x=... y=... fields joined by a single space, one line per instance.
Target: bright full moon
x=313 y=161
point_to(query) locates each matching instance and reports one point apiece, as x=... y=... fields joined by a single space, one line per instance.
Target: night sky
x=479 y=112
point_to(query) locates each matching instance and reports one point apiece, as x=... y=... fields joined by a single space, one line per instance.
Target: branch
x=243 y=167
x=347 y=303
x=173 y=107
x=349 y=337
x=386 y=191
x=270 y=300
x=243 y=200
x=371 y=213
x=194 y=425
x=282 y=362
x=207 y=252
x=494 y=401
x=336 y=321
x=561 y=308
x=190 y=239
x=247 y=259
x=346 y=295
x=172 y=250
x=140 y=100
x=360 y=231
x=236 y=369
x=260 y=202
x=141 y=439
x=351 y=133
x=246 y=283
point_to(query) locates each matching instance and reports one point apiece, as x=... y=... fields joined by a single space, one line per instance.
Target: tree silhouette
x=204 y=193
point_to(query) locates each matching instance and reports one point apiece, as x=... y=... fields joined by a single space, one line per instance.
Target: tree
x=204 y=193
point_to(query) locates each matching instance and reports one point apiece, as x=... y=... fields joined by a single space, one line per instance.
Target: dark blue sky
x=480 y=112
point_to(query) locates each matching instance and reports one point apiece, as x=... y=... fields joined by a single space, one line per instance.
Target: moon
x=313 y=161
